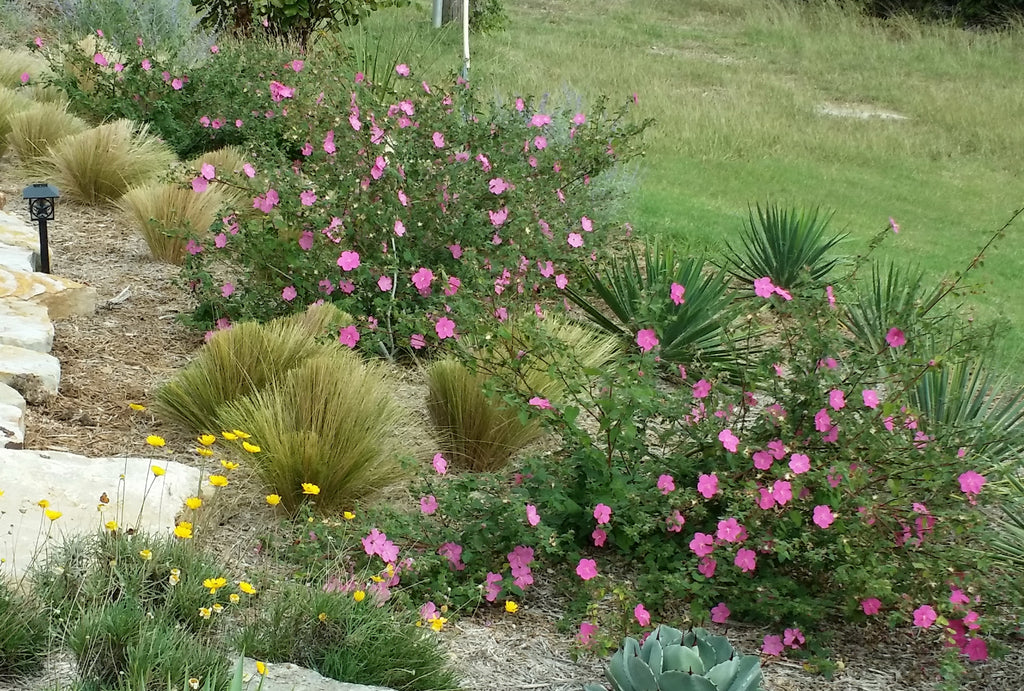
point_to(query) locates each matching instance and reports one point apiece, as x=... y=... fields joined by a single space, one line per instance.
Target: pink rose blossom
x=675 y=522
x=676 y=293
x=799 y=463
x=895 y=338
x=763 y=287
x=532 y=517
x=602 y=513
x=646 y=339
x=746 y=560
x=701 y=389
x=836 y=399
x=599 y=536
x=428 y=504
x=289 y=294
x=402 y=70
x=871 y=605
x=348 y=260
x=729 y=440
x=542 y=403
x=925 y=616
x=870 y=397
x=586 y=631
x=384 y=283
x=643 y=617
x=575 y=240
x=702 y=544
x=823 y=516
x=772 y=646
x=666 y=484
x=763 y=460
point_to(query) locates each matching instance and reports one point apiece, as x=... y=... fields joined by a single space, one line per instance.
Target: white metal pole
x=465 y=39
x=437 y=13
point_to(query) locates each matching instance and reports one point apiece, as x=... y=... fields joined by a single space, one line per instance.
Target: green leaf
x=640 y=675
x=683 y=659
x=748 y=674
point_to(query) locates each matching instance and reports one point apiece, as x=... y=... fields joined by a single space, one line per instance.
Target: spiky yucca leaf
x=101 y=163
x=236 y=362
x=789 y=245
x=1006 y=539
x=36 y=129
x=476 y=432
x=333 y=422
x=165 y=214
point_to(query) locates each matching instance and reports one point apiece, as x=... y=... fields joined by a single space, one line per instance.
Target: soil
x=134 y=341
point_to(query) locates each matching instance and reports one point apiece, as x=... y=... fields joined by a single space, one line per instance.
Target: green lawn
x=735 y=87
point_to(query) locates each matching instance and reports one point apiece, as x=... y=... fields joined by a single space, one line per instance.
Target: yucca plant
x=1005 y=540
x=165 y=214
x=35 y=129
x=239 y=361
x=791 y=246
x=333 y=422
x=101 y=163
x=630 y=297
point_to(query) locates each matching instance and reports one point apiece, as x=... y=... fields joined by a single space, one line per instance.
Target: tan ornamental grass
x=14 y=63
x=37 y=128
x=226 y=161
x=11 y=103
x=102 y=163
x=331 y=422
x=166 y=214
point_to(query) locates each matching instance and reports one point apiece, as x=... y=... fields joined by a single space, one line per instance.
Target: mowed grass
x=736 y=87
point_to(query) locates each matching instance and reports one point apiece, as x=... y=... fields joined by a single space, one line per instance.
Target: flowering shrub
x=420 y=213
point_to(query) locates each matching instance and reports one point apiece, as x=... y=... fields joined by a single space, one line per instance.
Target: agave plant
x=791 y=246
x=636 y=297
x=670 y=660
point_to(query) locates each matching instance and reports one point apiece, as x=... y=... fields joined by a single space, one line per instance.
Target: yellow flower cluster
x=183 y=530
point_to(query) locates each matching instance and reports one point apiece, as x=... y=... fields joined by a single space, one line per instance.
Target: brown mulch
x=134 y=341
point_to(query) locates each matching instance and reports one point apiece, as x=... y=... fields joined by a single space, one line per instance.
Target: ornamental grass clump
x=11 y=103
x=15 y=65
x=23 y=635
x=101 y=163
x=331 y=422
x=239 y=361
x=36 y=129
x=167 y=214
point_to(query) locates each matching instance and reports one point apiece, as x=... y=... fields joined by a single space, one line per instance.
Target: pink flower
x=177 y=84
x=894 y=225
x=675 y=522
x=279 y=91
x=772 y=646
x=440 y=464
x=456 y=251
x=445 y=328
x=763 y=287
x=586 y=631
x=720 y=613
x=702 y=544
x=599 y=536
x=895 y=338
x=666 y=483
x=870 y=398
x=289 y=294
x=417 y=341
x=296 y=65
x=497 y=185
x=586 y=569
x=542 y=403
x=823 y=516
x=730 y=530
x=249 y=171
x=971 y=482
x=587 y=224
x=830 y=296
x=539 y=120
x=402 y=70
x=575 y=240
x=707 y=485
x=701 y=389
x=25 y=77
x=763 y=460
x=214 y=49
x=146 y=65
x=428 y=504
x=871 y=605
x=782 y=491
x=532 y=517
x=676 y=293
x=602 y=513
x=349 y=336
x=643 y=617
x=925 y=616
x=453 y=552
x=438 y=140
x=227 y=290
x=975 y=650
x=579 y=119
x=100 y=60
x=729 y=440
x=348 y=260
x=378 y=168
x=561 y=281
x=492 y=585
x=422 y=280
x=794 y=638
x=329 y=146
x=746 y=560
x=378 y=543
x=308 y=198
x=540 y=142
x=799 y=463
x=384 y=283
x=836 y=399
x=498 y=217
x=646 y=339
x=199 y=184
x=707 y=567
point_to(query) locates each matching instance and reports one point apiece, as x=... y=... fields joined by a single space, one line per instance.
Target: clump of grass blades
x=228 y=159
x=14 y=63
x=788 y=245
x=36 y=129
x=11 y=103
x=346 y=644
x=165 y=214
x=23 y=635
x=101 y=163
x=241 y=360
x=333 y=422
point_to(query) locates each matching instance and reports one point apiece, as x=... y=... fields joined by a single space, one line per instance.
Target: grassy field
x=735 y=87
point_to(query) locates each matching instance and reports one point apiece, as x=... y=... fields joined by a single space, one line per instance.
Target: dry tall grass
x=165 y=213
x=11 y=103
x=39 y=127
x=102 y=163
x=14 y=63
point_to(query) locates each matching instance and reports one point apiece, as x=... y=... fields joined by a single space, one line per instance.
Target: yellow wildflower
x=193 y=503
x=273 y=499
x=203 y=451
x=234 y=598
x=348 y=515
x=376 y=579
x=183 y=530
x=240 y=434
x=437 y=623
x=157 y=470
x=218 y=608
x=359 y=595
x=207 y=439
x=175 y=576
x=43 y=504
x=154 y=440
x=53 y=515
x=310 y=488
x=261 y=668
x=230 y=436
x=215 y=584
x=322 y=617
x=246 y=588
x=229 y=465
x=110 y=525
x=136 y=406
x=218 y=481
x=146 y=554
x=251 y=448
x=204 y=612
x=511 y=607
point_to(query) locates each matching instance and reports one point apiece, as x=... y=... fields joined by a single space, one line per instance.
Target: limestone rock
x=26 y=325
x=285 y=676
x=18 y=258
x=11 y=397
x=61 y=296
x=15 y=232
x=12 y=418
x=35 y=375
x=73 y=485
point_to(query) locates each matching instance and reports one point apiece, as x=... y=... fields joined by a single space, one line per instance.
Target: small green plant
x=670 y=660
x=100 y=164
x=331 y=422
x=24 y=636
x=34 y=130
x=362 y=640
x=790 y=246
x=166 y=214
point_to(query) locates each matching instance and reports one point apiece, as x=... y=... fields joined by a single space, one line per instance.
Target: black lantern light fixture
x=42 y=198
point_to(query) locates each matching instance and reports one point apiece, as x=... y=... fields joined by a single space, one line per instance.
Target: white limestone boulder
x=74 y=485
x=25 y=325
x=285 y=676
x=15 y=232
x=18 y=258
x=61 y=296
x=35 y=375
